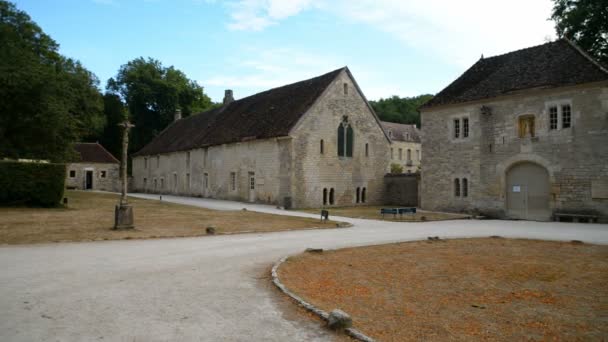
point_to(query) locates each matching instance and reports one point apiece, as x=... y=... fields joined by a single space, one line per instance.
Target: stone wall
x=172 y=173
x=315 y=171
x=111 y=181
x=401 y=189
x=575 y=157
x=409 y=166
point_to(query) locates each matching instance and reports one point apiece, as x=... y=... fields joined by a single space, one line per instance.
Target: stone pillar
x=123 y=213
x=228 y=97
x=177 y=115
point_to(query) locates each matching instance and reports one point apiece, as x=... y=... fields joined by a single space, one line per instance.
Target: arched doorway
x=528 y=192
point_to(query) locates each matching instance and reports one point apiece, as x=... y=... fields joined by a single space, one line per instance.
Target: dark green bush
x=32 y=184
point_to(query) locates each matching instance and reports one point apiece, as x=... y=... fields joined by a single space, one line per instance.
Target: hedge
x=31 y=184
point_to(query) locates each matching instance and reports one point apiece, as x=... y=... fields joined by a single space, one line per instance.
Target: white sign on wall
x=516 y=188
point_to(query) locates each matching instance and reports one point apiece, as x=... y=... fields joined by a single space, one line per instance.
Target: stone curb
x=352 y=332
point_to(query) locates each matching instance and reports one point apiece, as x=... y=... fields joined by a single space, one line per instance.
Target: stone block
x=123 y=217
x=339 y=320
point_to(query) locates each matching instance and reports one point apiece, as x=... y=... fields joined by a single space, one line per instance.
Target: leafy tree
x=111 y=137
x=152 y=93
x=48 y=101
x=400 y=110
x=586 y=23
x=396 y=168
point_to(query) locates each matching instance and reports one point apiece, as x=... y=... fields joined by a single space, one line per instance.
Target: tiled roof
x=550 y=65
x=93 y=153
x=401 y=132
x=268 y=114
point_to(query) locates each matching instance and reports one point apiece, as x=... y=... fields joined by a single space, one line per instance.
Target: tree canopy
x=400 y=109
x=152 y=93
x=586 y=23
x=48 y=101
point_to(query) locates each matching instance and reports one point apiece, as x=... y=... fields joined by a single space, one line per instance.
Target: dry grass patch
x=373 y=212
x=468 y=289
x=90 y=216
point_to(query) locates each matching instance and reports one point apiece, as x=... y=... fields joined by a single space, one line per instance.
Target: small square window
x=72 y=173
x=102 y=174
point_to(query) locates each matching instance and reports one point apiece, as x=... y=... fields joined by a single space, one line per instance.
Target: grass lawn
x=90 y=216
x=373 y=212
x=466 y=289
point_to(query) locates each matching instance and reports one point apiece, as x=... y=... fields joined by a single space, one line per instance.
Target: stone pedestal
x=123 y=217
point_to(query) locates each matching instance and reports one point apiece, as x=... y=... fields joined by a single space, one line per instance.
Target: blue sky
x=392 y=47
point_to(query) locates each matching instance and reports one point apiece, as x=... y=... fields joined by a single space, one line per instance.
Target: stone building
x=405 y=149
x=521 y=135
x=313 y=143
x=96 y=169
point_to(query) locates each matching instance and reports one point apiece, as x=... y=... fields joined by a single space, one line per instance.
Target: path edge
x=352 y=332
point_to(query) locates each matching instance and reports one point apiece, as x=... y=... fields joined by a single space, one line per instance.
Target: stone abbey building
x=313 y=143
x=521 y=135
x=95 y=169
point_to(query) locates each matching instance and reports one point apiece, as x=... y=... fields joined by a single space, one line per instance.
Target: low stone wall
x=402 y=189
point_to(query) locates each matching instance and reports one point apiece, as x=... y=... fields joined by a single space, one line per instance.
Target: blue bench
x=400 y=211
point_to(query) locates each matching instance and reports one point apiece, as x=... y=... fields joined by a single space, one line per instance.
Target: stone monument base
x=123 y=217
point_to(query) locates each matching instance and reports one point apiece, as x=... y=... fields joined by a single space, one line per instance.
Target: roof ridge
x=523 y=49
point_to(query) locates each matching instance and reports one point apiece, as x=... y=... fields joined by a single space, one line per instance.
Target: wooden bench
x=583 y=218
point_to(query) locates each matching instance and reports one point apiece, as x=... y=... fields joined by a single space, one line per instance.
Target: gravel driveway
x=195 y=289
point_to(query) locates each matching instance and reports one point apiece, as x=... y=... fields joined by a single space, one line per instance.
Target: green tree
x=152 y=93
x=48 y=101
x=400 y=109
x=111 y=137
x=586 y=23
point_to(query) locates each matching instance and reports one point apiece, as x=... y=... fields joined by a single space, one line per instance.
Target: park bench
x=397 y=211
x=583 y=218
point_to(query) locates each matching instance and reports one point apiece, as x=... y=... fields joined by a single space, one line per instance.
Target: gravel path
x=196 y=289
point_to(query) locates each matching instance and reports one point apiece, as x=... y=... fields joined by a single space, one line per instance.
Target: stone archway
x=528 y=192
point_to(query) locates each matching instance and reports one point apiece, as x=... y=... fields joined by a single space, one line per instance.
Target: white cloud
x=457 y=31
x=256 y=15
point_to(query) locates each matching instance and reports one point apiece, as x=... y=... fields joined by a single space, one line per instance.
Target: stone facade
x=290 y=170
x=104 y=176
x=406 y=154
x=576 y=158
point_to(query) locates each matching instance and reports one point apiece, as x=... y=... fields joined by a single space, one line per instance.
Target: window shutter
x=349 y=141
x=341 y=141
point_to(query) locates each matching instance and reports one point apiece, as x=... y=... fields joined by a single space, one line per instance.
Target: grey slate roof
x=401 y=132
x=93 y=153
x=550 y=65
x=268 y=114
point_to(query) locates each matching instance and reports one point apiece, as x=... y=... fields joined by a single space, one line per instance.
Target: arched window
x=324 y=196
x=321 y=147
x=345 y=88
x=345 y=138
x=363 y=195
x=457 y=187
x=358 y=195
x=465 y=187
x=331 y=196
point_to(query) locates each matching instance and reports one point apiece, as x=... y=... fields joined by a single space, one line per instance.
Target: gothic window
x=331 y=196
x=526 y=126
x=566 y=116
x=321 y=147
x=324 y=196
x=363 y=191
x=457 y=187
x=465 y=127
x=553 y=117
x=358 y=197
x=465 y=187
x=345 y=138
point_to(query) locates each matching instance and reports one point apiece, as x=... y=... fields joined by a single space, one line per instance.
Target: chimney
x=228 y=96
x=177 y=115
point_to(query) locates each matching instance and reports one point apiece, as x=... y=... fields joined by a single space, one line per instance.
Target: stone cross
x=123 y=215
